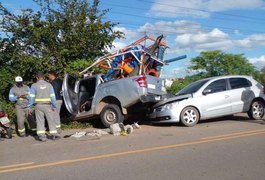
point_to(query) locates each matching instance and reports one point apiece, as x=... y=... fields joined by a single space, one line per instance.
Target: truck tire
x=111 y=114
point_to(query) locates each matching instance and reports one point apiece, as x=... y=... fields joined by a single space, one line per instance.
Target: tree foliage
x=217 y=63
x=63 y=35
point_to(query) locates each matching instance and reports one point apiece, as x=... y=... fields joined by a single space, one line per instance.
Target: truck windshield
x=193 y=87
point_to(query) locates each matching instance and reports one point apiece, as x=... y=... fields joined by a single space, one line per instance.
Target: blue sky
x=190 y=26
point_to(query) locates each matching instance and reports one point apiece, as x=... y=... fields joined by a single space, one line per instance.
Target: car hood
x=173 y=99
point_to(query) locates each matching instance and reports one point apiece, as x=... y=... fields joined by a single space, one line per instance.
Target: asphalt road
x=231 y=148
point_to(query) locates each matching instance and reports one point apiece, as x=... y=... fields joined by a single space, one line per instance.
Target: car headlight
x=169 y=106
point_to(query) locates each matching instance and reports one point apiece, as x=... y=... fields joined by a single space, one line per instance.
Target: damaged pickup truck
x=111 y=100
x=131 y=83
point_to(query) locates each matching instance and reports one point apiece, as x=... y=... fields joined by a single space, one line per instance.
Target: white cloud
x=215 y=39
x=189 y=37
x=200 y=8
x=259 y=62
x=223 y=5
x=251 y=41
x=237 y=32
x=169 y=27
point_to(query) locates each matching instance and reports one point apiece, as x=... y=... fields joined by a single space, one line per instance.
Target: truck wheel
x=111 y=114
x=256 y=110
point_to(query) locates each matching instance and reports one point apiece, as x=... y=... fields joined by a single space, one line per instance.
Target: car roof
x=226 y=76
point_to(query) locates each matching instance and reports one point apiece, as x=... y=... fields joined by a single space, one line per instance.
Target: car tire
x=189 y=116
x=256 y=110
x=111 y=114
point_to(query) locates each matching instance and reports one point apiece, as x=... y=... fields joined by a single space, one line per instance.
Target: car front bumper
x=166 y=116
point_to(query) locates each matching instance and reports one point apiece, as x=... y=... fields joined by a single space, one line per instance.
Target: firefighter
x=19 y=94
x=57 y=86
x=43 y=97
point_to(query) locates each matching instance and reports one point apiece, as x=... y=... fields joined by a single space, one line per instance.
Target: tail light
x=141 y=81
x=2 y=114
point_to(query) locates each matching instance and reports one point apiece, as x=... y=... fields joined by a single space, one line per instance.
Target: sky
x=189 y=26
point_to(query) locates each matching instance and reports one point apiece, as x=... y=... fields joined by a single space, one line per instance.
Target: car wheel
x=111 y=114
x=189 y=116
x=256 y=110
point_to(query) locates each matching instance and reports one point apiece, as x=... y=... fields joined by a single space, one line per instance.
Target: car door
x=216 y=99
x=71 y=93
x=241 y=94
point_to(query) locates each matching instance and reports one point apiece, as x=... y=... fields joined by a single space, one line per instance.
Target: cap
x=18 y=79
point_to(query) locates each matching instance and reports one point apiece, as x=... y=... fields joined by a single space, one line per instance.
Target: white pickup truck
x=111 y=100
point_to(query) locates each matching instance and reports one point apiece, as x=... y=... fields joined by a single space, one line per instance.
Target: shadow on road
x=237 y=117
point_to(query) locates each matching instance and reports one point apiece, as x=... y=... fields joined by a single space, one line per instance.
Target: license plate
x=4 y=120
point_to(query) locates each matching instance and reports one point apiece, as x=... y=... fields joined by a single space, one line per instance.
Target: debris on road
x=115 y=129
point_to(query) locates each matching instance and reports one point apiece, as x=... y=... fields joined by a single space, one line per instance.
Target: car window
x=193 y=87
x=217 y=86
x=239 y=83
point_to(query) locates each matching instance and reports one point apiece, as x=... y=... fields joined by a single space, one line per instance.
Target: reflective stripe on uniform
x=52 y=95
x=32 y=95
x=21 y=130
x=40 y=132
x=43 y=100
x=34 y=129
x=53 y=132
x=58 y=126
x=11 y=95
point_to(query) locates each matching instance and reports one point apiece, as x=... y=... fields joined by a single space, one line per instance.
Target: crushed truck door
x=70 y=91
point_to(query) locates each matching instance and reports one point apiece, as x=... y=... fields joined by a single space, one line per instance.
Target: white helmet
x=18 y=79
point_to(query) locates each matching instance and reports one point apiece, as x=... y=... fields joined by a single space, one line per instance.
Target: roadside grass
x=75 y=125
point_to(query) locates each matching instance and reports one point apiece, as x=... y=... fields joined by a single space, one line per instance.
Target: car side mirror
x=206 y=91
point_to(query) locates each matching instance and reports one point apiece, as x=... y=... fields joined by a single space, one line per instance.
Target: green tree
x=216 y=63
x=63 y=35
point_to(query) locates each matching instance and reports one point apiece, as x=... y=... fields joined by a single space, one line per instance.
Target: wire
x=219 y=18
x=195 y=9
x=220 y=27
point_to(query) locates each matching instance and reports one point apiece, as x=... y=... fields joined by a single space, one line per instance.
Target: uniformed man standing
x=42 y=95
x=19 y=94
x=57 y=86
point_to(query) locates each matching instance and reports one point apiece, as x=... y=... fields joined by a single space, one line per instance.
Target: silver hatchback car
x=210 y=98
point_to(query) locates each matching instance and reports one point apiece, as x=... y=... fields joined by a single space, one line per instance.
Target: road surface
x=231 y=148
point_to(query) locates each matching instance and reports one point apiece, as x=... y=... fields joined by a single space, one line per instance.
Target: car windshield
x=193 y=87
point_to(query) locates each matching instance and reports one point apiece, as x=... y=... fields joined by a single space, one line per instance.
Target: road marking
x=64 y=162
x=232 y=134
x=16 y=165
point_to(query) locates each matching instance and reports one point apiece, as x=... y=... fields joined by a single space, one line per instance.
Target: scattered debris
x=136 y=125
x=78 y=134
x=129 y=129
x=115 y=129
x=97 y=133
x=120 y=129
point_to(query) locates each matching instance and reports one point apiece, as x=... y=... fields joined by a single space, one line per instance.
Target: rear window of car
x=236 y=83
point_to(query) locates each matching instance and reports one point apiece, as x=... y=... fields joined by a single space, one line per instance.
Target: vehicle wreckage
x=132 y=83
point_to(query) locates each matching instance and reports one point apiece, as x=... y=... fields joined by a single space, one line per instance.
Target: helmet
x=18 y=79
